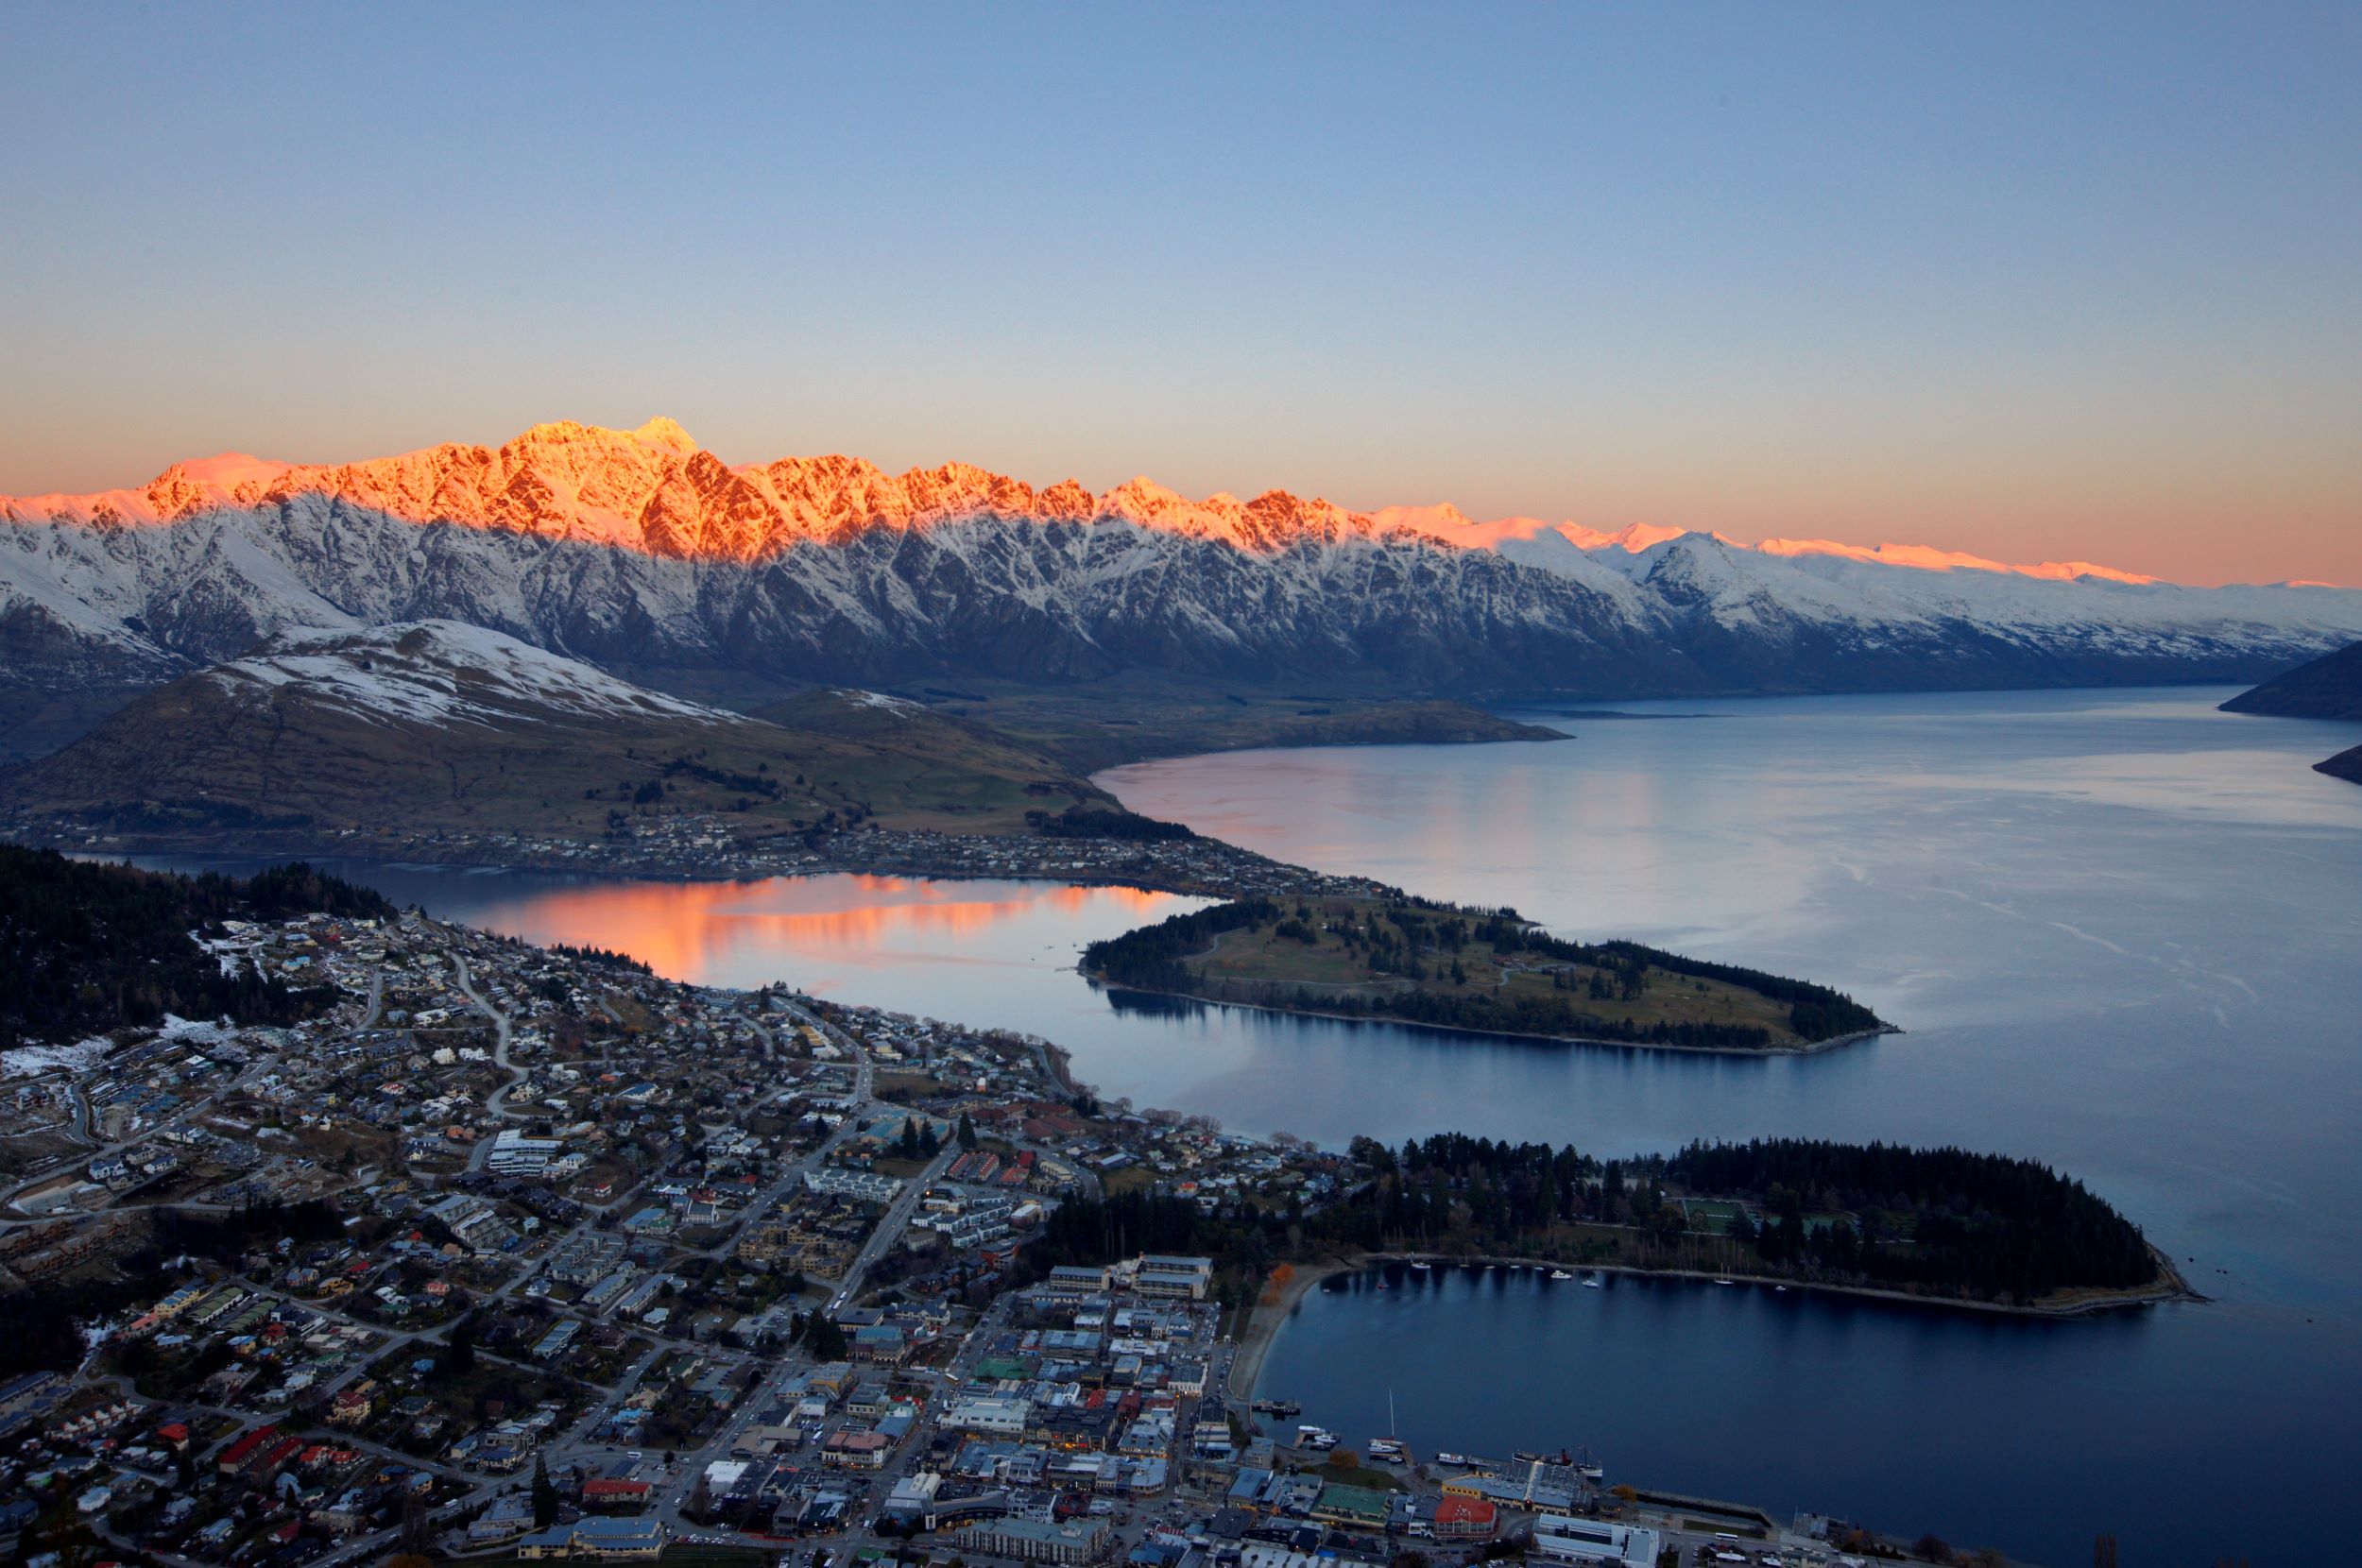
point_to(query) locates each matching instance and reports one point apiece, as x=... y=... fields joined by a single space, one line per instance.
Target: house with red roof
x=244 y=1452
x=613 y=1494
x=1465 y=1519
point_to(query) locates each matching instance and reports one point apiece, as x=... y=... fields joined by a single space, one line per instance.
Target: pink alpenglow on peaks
x=1449 y=523
x=657 y=491
x=231 y=472
x=1927 y=558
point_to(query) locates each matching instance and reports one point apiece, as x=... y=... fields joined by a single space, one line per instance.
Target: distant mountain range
x=2328 y=688
x=646 y=556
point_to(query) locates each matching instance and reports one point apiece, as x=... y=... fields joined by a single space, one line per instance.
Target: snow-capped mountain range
x=642 y=553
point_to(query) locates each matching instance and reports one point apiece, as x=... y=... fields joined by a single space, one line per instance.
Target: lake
x=2123 y=932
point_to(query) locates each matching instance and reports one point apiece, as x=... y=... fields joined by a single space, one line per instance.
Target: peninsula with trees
x=1940 y=1225
x=1486 y=971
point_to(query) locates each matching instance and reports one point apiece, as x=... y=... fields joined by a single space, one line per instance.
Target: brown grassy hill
x=438 y=725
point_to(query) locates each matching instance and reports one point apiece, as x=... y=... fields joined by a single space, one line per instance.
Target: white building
x=914 y=1496
x=514 y=1154
x=1004 y=1417
x=865 y=1185
x=1563 y=1537
x=1187 y=1278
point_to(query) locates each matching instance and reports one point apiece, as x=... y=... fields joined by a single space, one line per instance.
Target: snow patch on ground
x=86 y=1055
x=31 y=1061
x=198 y=1031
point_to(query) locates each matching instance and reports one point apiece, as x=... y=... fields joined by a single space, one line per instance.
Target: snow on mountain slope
x=1930 y=560
x=641 y=553
x=422 y=728
x=440 y=672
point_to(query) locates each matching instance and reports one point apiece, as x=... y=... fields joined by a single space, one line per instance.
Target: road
x=865 y=1074
x=502 y=1030
x=889 y=1229
x=577 y=1449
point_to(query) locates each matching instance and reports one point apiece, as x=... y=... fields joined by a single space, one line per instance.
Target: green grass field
x=1713 y=1215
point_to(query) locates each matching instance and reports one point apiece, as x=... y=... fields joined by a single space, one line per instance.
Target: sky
x=2040 y=282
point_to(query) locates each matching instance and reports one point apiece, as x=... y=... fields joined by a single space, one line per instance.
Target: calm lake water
x=2123 y=930
x=2125 y=933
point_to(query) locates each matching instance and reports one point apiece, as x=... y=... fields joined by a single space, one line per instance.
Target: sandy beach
x=1263 y=1324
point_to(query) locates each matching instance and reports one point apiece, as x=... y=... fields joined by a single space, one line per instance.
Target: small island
x=1486 y=971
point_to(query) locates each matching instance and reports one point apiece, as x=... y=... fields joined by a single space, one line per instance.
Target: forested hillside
x=92 y=947
x=1942 y=1222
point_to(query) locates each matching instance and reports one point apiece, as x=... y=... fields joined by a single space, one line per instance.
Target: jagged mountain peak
x=655 y=489
x=641 y=552
x=662 y=431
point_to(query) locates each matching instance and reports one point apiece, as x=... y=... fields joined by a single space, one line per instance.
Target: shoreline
x=1246 y=1369
x=1263 y=1328
x=1265 y=1324
x=1060 y=1062
x=1071 y=876
x=2172 y=1290
x=1147 y=879
x=1812 y=1048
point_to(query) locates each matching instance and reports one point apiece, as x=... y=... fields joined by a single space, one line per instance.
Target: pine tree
x=544 y=1494
x=417 y=1535
x=825 y=1339
x=967 y=1132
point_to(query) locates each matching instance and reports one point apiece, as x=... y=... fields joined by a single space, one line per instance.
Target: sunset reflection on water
x=802 y=930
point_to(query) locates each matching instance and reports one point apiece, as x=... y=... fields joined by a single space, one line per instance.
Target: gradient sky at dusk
x=2040 y=282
